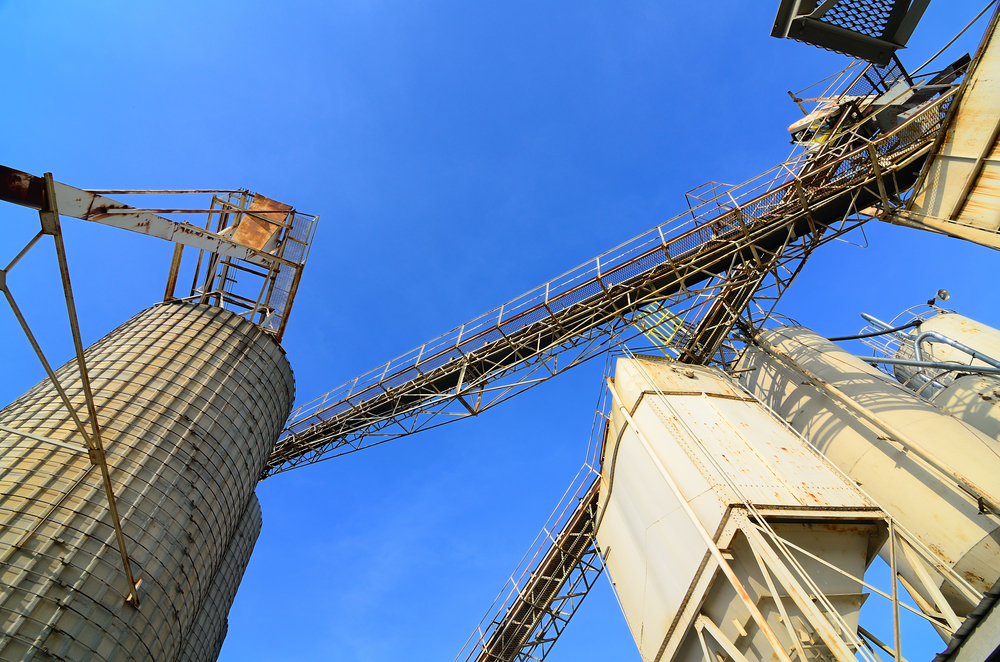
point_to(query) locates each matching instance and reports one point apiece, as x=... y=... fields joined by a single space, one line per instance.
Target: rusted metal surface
x=255 y=230
x=25 y=189
x=743 y=241
x=50 y=223
x=258 y=237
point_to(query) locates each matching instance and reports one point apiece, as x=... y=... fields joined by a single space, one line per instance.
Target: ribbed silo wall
x=190 y=399
x=204 y=642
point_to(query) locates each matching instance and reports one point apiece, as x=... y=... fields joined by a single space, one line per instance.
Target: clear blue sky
x=459 y=153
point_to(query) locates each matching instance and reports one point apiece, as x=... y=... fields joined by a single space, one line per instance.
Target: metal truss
x=739 y=247
x=541 y=603
x=93 y=444
x=256 y=250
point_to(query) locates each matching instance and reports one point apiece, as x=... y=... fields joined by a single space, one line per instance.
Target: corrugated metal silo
x=204 y=642
x=190 y=399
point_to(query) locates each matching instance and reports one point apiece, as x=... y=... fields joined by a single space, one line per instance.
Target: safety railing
x=728 y=216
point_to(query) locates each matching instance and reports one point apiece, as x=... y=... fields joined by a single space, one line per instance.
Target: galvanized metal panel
x=190 y=399
x=204 y=642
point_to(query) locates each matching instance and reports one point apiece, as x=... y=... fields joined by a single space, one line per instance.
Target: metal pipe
x=940 y=337
x=876 y=333
x=37 y=437
x=931 y=364
x=879 y=324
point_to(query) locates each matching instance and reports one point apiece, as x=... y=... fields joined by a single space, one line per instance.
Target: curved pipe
x=953 y=343
x=957 y=367
x=876 y=333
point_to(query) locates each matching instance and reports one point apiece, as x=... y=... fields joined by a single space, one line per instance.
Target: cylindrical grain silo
x=190 y=400
x=881 y=436
x=973 y=399
x=204 y=642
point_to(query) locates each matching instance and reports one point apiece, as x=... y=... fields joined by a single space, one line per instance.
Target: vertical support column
x=49 y=216
x=175 y=267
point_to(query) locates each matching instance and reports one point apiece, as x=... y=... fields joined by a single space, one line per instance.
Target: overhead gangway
x=551 y=592
x=705 y=265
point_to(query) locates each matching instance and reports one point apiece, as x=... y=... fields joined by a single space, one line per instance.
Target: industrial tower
x=739 y=491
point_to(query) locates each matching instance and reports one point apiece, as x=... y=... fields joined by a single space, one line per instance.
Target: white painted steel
x=190 y=400
x=961 y=192
x=95 y=208
x=204 y=642
x=719 y=447
x=974 y=399
x=969 y=332
x=930 y=504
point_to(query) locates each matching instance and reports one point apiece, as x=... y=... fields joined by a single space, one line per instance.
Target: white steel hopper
x=703 y=494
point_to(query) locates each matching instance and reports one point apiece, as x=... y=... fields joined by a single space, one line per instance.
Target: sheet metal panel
x=204 y=642
x=974 y=399
x=710 y=435
x=969 y=150
x=190 y=399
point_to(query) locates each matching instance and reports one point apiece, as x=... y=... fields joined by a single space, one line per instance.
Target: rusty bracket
x=878 y=178
x=175 y=266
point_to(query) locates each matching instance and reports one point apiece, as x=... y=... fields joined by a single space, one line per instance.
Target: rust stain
x=256 y=232
x=973 y=578
x=186 y=228
x=21 y=188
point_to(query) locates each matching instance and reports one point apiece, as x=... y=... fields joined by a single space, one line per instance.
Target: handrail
x=761 y=206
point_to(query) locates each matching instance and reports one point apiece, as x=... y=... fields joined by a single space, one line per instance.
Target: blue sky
x=459 y=154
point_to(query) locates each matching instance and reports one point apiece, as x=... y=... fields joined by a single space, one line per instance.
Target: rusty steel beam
x=49 y=217
x=24 y=189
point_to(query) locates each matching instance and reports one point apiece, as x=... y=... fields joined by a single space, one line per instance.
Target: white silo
x=701 y=489
x=924 y=467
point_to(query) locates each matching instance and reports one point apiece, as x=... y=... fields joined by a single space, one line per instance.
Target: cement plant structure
x=740 y=487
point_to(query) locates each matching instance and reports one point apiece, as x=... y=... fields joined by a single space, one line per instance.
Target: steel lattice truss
x=550 y=594
x=735 y=251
